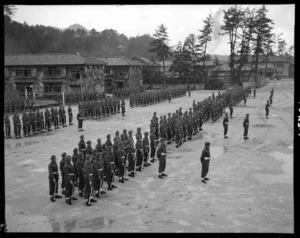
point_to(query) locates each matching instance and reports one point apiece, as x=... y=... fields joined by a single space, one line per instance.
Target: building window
x=23 y=73
x=107 y=71
x=75 y=75
x=52 y=71
x=52 y=88
x=57 y=88
x=122 y=74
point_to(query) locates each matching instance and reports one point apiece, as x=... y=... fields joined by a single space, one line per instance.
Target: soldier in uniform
x=81 y=174
x=81 y=146
x=75 y=157
x=56 y=119
x=267 y=109
x=146 y=148
x=53 y=179
x=138 y=133
x=123 y=107
x=139 y=153
x=152 y=145
x=231 y=109
x=110 y=168
x=225 y=125
x=69 y=173
x=246 y=126
x=61 y=168
x=7 y=126
x=131 y=158
x=18 y=124
x=121 y=154
x=161 y=155
x=89 y=179
x=254 y=93
x=205 y=157
x=89 y=149
x=98 y=146
x=24 y=119
x=80 y=120
x=42 y=122
x=64 y=117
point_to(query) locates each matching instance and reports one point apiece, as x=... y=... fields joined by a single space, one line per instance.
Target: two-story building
x=48 y=74
x=122 y=72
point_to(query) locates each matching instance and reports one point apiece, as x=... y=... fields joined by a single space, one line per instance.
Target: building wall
x=92 y=78
x=135 y=76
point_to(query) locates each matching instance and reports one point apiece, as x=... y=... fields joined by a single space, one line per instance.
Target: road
x=250 y=187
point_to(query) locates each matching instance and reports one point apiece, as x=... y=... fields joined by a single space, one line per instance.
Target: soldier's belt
x=71 y=174
x=91 y=174
x=100 y=169
x=112 y=162
x=123 y=157
x=55 y=172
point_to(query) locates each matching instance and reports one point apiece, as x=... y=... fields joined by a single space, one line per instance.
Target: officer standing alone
x=205 y=158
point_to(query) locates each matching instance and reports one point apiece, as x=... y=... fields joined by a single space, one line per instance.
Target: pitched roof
x=145 y=61
x=120 y=61
x=50 y=59
x=168 y=63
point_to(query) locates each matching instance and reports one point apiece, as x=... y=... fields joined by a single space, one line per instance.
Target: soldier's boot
x=57 y=196
x=97 y=194
x=139 y=169
x=52 y=199
x=101 y=191
x=152 y=160
x=145 y=164
x=113 y=186
x=74 y=198
x=148 y=164
x=93 y=200
x=87 y=203
x=131 y=174
x=81 y=194
x=121 y=180
x=177 y=145
x=124 y=178
x=63 y=191
x=200 y=129
x=109 y=187
x=69 y=201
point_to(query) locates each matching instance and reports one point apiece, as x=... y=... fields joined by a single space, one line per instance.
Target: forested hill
x=22 y=38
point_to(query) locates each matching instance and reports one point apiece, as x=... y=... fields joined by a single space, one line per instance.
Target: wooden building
x=49 y=74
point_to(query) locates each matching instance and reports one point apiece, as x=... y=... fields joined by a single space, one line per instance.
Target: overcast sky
x=132 y=20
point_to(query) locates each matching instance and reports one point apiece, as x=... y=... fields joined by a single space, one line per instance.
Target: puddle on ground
x=287 y=167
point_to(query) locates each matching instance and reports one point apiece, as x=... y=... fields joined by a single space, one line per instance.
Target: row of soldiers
x=149 y=98
x=127 y=92
x=75 y=98
x=180 y=127
x=101 y=108
x=89 y=167
x=17 y=105
x=35 y=122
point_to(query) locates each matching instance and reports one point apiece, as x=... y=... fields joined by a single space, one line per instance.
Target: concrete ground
x=250 y=187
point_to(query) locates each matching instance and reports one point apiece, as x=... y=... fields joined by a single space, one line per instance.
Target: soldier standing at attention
x=88 y=149
x=161 y=155
x=7 y=126
x=64 y=117
x=225 y=125
x=69 y=173
x=81 y=146
x=81 y=175
x=75 y=157
x=231 y=110
x=53 y=179
x=246 y=127
x=98 y=147
x=139 y=153
x=121 y=154
x=267 y=109
x=205 y=157
x=56 y=119
x=80 y=120
x=88 y=189
x=24 y=118
x=61 y=168
x=123 y=107
x=146 y=149
x=245 y=100
x=152 y=145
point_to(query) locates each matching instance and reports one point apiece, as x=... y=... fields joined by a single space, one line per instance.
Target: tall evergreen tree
x=204 y=38
x=160 y=46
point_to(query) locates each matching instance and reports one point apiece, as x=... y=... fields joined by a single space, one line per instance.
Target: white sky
x=132 y=20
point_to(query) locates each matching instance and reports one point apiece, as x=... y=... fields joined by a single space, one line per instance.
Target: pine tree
x=204 y=38
x=160 y=46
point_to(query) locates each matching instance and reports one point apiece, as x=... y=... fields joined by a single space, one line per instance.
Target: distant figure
x=231 y=110
x=123 y=107
x=189 y=92
x=205 y=157
x=246 y=127
x=254 y=92
x=267 y=109
x=245 y=100
x=80 y=121
x=271 y=99
x=161 y=155
x=169 y=97
x=225 y=125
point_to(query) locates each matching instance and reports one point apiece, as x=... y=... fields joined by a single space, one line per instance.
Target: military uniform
x=80 y=121
x=225 y=125
x=69 y=174
x=53 y=179
x=267 y=109
x=89 y=179
x=81 y=146
x=246 y=127
x=146 y=149
x=205 y=158
x=7 y=126
x=61 y=167
x=81 y=174
x=161 y=155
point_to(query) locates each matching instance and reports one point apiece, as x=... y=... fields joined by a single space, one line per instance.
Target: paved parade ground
x=250 y=187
